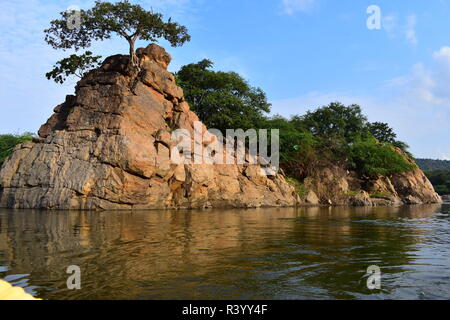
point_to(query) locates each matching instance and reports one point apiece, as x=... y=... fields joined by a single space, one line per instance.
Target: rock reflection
x=263 y=253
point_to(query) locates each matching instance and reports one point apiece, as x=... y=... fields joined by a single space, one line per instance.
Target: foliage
x=297 y=145
x=372 y=158
x=385 y=134
x=381 y=195
x=335 y=123
x=433 y=165
x=440 y=180
x=106 y=19
x=9 y=141
x=77 y=65
x=382 y=132
x=222 y=100
x=299 y=187
x=333 y=133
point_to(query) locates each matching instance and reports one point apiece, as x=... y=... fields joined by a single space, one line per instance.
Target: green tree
x=222 y=100
x=335 y=123
x=106 y=19
x=297 y=145
x=383 y=132
x=77 y=65
x=9 y=141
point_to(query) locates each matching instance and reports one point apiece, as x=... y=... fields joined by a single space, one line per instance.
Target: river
x=293 y=253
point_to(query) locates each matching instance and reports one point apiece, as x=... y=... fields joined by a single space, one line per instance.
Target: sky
x=303 y=53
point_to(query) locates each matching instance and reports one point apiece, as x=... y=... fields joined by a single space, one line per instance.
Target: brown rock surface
x=109 y=147
x=334 y=185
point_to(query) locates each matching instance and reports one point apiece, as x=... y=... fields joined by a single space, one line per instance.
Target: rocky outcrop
x=333 y=185
x=109 y=147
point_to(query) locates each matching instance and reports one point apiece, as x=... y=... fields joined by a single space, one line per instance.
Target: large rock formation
x=109 y=147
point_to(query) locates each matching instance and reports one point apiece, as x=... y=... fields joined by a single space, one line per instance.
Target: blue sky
x=303 y=53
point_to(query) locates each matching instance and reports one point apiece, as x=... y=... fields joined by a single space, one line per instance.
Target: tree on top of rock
x=104 y=20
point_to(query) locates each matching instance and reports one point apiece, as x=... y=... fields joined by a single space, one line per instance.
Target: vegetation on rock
x=335 y=133
x=9 y=141
x=371 y=158
x=101 y=22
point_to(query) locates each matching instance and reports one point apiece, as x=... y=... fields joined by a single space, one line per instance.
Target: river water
x=295 y=253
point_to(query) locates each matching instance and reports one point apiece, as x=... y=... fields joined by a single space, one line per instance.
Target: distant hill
x=432 y=165
x=438 y=171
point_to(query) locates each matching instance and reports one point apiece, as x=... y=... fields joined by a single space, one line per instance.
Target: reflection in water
x=295 y=253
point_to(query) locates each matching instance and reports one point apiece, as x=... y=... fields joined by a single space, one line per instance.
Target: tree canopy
x=101 y=22
x=335 y=122
x=382 y=132
x=222 y=100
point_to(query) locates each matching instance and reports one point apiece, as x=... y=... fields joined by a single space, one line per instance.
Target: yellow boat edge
x=8 y=292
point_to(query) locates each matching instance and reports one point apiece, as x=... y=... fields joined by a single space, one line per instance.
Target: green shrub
x=300 y=188
x=371 y=158
x=9 y=141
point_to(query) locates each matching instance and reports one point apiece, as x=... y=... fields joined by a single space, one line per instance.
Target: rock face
x=333 y=185
x=109 y=147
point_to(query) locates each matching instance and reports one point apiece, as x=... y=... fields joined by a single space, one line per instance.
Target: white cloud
x=293 y=6
x=443 y=55
x=390 y=24
x=396 y=27
x=410 y=32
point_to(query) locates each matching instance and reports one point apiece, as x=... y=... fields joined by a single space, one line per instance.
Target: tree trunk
x=133 y=57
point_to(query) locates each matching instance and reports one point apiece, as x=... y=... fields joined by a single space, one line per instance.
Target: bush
x=9 y=141
x=371 y=158
x=296 y=144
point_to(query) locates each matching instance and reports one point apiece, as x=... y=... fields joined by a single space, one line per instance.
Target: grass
x=300 y=188
x=351 y=193
x=381 y=195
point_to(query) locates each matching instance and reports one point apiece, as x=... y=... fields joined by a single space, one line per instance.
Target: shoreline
x=227 y=208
